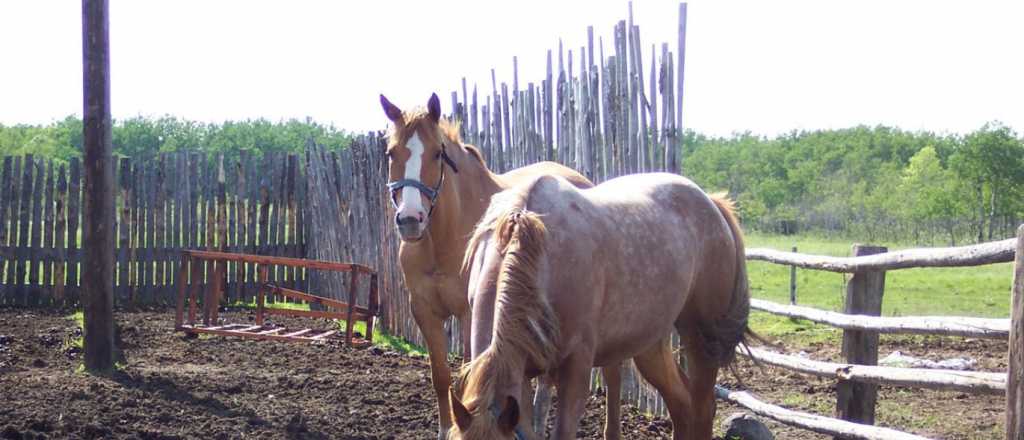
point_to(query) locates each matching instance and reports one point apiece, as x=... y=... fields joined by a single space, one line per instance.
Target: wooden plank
x=220 y=197
x=1015 y=387
x=282 y=261
x=973 y=255
x=35 y=240
x=233 y=200
x=135 y=264
x=856 y=401
x=263 y=229
x=161 y=293
x=812 y=422
x=121 y=292
x=313 y=299
x=74 y=214
x=5 y=207
x=252 y=222
x=302 y=220
x=923 y=325
x=13 y=285
x=971 y=382
x=25 y=219
x=180 y=178
x=60 y=237
x=167 y=255
x=292 y=217
x=144 y=182
x=47 y=246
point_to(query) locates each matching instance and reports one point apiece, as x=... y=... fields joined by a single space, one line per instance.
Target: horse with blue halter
x=440 y=188
x=576 y=278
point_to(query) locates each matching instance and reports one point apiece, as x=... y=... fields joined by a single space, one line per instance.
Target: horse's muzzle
x=410 y=228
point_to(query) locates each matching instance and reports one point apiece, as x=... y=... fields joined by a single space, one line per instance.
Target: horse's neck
x=462 y=202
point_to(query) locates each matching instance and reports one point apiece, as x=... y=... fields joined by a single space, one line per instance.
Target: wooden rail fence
x=859 y=377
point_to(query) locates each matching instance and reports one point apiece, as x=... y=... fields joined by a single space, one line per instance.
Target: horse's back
x=526 y=173
x=628 y=252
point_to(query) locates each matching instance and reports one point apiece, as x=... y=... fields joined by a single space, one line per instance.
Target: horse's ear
x=434 y=107
x=394 y=113
x=509 y=417
x=459 y=412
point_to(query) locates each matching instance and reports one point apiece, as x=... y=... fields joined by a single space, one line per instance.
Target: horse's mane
x=525 y=326
x=447 y=127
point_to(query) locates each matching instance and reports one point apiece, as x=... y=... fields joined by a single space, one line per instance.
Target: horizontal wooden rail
x=975 y=255
x=971 y=382
x=923 y=325
x=280 y=261
x=812 y=422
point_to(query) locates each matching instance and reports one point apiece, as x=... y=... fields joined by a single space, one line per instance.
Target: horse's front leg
x=542 y=403
x=433 y=331
x=573 y=389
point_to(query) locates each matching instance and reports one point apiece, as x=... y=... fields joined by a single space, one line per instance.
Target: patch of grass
x=957 y=291
x=273 y=305
x=78 y=342
x=381 y=338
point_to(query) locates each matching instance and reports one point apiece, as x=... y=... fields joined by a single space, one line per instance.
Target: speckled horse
x=440 y=188
x=594 y=277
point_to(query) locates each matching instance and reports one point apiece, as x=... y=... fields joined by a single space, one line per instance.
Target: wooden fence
x=859 y=378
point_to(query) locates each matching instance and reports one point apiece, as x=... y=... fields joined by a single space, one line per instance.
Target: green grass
x=273 y=305
x=381 y=338
x=981 y=291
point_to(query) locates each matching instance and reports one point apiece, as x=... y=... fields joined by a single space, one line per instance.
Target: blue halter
x=520 y=435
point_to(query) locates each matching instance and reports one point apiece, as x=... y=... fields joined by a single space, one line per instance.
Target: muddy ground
x=223 y=388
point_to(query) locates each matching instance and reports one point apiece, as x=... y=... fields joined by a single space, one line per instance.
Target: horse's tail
x=731 y=330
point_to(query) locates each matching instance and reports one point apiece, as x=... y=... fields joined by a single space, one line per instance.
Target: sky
x=767 y=67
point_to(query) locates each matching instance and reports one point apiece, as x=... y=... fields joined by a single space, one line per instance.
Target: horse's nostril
x=407 y=220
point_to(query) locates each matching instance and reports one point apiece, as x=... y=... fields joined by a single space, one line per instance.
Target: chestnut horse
x=440 y=188
x=595 y=277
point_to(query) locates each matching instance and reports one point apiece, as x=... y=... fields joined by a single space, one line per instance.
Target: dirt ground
x=225 y=388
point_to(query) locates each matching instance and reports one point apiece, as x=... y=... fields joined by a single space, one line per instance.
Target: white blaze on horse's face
x=412 y=204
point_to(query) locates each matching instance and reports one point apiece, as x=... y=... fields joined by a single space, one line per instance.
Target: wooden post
x=179 y=315
x=792 y=282
x=681 y=53
x=373 y=306
x=98 y=261
x=353 y=279
x=856 y=401
x=1015 y=384
x=261 y=296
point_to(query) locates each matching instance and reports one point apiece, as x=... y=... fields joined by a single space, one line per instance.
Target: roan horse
x=594 y=277
x=440 y=188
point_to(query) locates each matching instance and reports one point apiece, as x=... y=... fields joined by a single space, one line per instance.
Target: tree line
x=872 y=183
x=141 y=136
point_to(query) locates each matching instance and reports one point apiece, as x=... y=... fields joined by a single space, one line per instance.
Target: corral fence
x=308 y=206
x=859 y=377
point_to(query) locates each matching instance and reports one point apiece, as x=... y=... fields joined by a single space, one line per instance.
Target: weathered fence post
x=792 y=282
x=1015 y=382
x=856 y=401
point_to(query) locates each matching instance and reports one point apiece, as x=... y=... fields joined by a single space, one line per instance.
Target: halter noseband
x=496 y=412
x=431 y=193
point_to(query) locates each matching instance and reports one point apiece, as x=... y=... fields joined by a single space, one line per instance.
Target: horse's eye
x=437 y=155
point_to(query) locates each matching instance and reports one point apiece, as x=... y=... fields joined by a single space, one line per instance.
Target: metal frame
x=351 y=313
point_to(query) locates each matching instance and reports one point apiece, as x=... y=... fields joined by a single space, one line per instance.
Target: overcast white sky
x=768 y=67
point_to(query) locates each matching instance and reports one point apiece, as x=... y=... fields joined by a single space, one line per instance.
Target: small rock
x=743 y=426
x=39 y=363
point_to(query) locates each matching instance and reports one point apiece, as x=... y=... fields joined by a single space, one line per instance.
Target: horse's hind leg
x=613 y=407
x=702 y=372
x=659 y=368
